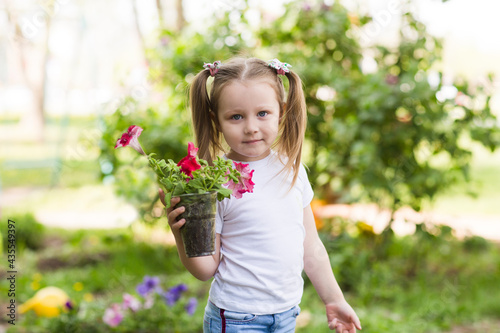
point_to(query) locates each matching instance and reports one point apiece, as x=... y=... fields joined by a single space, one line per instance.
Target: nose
x=251 y=126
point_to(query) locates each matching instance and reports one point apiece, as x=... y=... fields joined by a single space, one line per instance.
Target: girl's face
x=249 y=115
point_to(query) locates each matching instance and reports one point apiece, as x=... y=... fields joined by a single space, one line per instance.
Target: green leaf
x=168 y=198
x=224 y=192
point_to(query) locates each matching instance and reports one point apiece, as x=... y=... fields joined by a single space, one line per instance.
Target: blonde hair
x=293 y=115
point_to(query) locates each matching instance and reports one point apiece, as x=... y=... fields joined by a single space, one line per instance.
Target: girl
x=265 y=239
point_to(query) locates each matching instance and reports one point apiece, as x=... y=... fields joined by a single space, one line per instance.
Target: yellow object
x=35 y=285
x=37 y=277
x=78 y=286
x=88 y=297
x=47 y=302
x=365 y=229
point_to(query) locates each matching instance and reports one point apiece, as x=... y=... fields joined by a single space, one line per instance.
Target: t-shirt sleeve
x=307 y=191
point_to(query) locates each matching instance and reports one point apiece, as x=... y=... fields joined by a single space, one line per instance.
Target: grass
x=481 y=195
x=71 y=151
x=95 y=267
x=425 y=282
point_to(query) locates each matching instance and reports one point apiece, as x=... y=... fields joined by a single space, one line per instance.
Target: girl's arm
x=317 y=267
x=202 y=268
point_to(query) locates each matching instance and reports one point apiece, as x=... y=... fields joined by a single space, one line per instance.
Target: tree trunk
x=181 y=22
x=32 y=122
x=40 y=89
x=159 y=8
x=138 y=30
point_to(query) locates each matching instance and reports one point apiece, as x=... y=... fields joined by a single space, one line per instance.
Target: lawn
x=481 y=195
x=425 y=282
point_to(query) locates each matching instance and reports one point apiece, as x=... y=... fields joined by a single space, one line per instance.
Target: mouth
x=252 y=141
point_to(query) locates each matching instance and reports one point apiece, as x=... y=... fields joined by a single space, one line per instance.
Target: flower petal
x=245 y=183
x=131 y=138
x=189 y=163
x=113 y=316
x=130 y=302
x=192 y=150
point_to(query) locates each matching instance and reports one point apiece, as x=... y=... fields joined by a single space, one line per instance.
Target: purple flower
x=191 y=306
x=149 y=284
x=69 y=305
x=174 y=293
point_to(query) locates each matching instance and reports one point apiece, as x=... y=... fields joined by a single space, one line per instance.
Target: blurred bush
x=164 y=133
x=392 y=134
x=29 y=233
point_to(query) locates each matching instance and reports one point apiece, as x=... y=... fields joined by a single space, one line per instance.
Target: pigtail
x=205 y=130
x=293 y=125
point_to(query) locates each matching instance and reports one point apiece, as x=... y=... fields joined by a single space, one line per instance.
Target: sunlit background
x=95 y=52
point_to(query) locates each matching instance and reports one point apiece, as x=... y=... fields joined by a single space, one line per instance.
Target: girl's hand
x=173 y=213
x=342 y=318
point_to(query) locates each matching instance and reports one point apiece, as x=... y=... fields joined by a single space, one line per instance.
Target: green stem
x=215 y=180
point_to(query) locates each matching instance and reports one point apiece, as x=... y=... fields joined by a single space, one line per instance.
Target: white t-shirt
x=262 y=242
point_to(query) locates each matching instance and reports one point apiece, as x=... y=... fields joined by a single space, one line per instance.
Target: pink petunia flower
x=130 y=302
x=130 y=138
x=245 y=183
x=113 y=316
x=189 y=163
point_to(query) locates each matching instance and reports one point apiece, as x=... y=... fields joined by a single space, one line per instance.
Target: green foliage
x=208 y=178
x=28 y=232
x=166 y=135
x=107 y=263
x=388 y=136
x=427 y=281
x=158 y=316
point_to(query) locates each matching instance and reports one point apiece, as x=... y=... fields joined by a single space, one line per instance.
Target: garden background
x=403 y=104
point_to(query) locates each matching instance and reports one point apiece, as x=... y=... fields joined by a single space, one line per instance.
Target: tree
x=391 y=136
x=34 y=120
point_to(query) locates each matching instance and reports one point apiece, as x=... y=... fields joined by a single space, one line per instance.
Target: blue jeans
x=222 y=321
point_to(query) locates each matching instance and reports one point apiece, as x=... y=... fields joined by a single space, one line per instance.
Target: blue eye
x=262 y=113
x=236 y=117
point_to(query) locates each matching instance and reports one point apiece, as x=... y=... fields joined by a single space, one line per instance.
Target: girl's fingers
x=333 y=324
x=174 y=201
x=177 y=224
x=172 y=218
x=357 y=323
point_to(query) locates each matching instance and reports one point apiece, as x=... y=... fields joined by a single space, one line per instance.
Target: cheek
x=228 y=131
